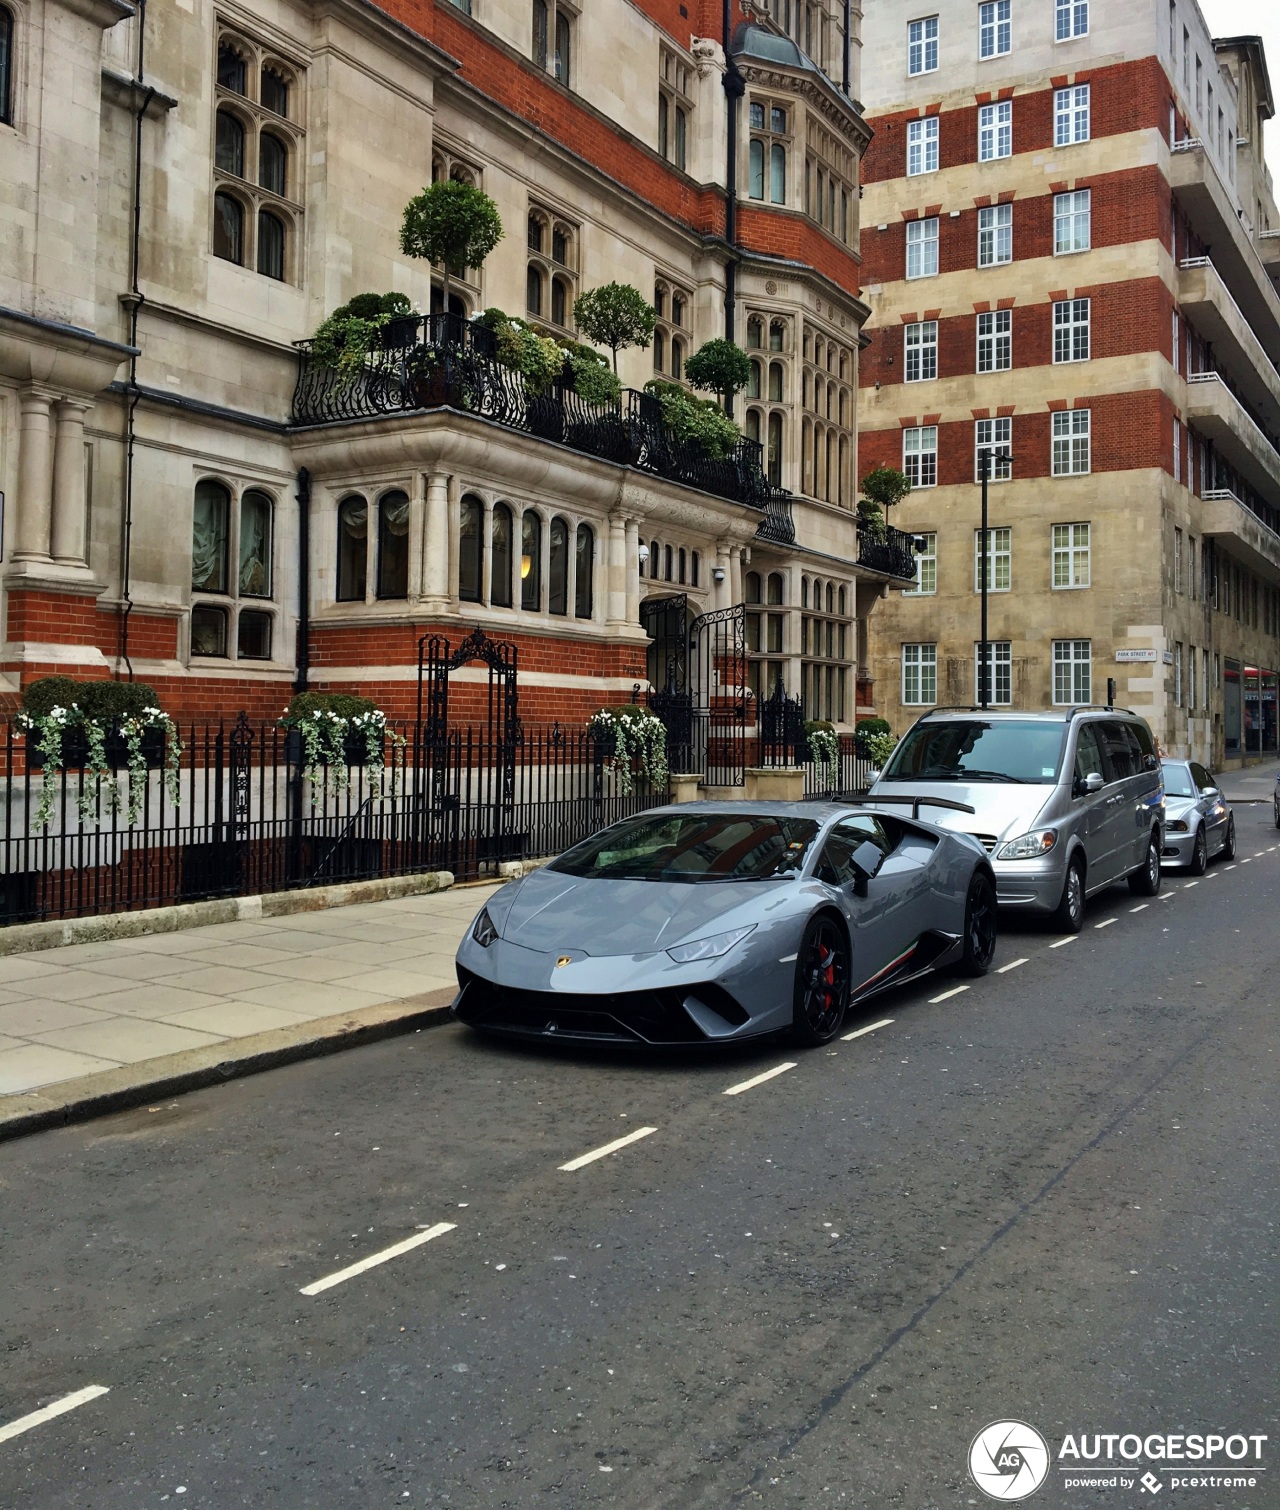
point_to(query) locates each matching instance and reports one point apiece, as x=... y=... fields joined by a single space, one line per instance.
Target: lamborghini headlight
x=1030 y=846
x=483 y=931
x=709 y=948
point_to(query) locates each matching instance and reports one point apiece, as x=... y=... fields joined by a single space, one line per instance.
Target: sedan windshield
x=697 y=847
x=1178 y=782
x=978 y=750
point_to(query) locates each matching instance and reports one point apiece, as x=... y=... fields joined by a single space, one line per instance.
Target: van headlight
x=1029 y=846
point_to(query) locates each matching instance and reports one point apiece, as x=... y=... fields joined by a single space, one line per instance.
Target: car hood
x=1178 y=806
x=1002 y=809
x=552 y=911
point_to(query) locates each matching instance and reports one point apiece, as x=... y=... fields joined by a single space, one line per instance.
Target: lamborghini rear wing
x=916 y=802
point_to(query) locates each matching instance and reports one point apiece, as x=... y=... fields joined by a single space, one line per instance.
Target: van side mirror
x=1149 y=762
x=1087 y=785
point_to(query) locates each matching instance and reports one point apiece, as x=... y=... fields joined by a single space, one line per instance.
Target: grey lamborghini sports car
x=718 y=921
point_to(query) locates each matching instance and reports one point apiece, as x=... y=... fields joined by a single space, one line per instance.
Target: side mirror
x=865 y=861
x=1149 y=762
x=1087 y=785
x=1210 y=791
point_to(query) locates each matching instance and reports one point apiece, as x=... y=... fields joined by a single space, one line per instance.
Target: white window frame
x=922 y=146
x=1072 y=443
x=1071 y=118
x=1072 y=672
x=1177 y=450
x=1072 y=211
x=993 y=435
x=920 y=351
x=1070 y=19
x=920 y=675
x=995 y=340
x=1000 y=662
x=922 y=46
x=1071 y=331
x=922 y=239
x=1070 y=547
x=999 y=559
x=1177 y=559
x=995 y=28
x=995 y=235
x=995 y=131
x=920 y=455
x=926 y=568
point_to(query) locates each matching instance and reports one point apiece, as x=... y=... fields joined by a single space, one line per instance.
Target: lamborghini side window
x=836 y=865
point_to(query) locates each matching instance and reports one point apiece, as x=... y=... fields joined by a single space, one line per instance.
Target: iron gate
x=666 y=622
x=721 y=694
x=782 y=736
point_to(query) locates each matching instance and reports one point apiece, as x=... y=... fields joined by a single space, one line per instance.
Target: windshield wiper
x=992 y=776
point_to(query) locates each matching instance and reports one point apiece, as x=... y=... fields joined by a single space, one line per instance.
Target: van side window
x=1143 y=736
x=1119 y=754
x=1088 y=755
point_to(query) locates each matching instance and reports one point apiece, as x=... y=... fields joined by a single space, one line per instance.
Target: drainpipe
x=848 y=44
x=135 y=306
x=303 y=496
x=734 y=89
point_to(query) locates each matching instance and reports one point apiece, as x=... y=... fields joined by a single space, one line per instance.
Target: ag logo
x=1008 y=1460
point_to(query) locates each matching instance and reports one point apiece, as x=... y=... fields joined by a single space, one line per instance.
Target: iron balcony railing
x=444 y=361
x=884 y=549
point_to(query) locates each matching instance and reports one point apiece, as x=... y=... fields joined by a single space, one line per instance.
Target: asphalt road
x=1050 y=1197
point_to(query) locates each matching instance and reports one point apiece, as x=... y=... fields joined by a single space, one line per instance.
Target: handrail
x=1196 y=262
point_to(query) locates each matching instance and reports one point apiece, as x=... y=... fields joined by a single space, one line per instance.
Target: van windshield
x=975 y=749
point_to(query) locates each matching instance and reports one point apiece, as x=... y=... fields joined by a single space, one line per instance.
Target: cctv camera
x=718 y=574
x=642 y=554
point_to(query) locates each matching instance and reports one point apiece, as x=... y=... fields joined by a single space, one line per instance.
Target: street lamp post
x=984 y=648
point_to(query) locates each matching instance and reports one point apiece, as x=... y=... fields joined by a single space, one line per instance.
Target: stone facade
x=214 y=179
x=1069 y=254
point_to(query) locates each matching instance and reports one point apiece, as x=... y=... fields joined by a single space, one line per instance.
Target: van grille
x=988 y=841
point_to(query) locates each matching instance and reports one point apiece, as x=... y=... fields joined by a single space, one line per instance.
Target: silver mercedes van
x=1066 y=801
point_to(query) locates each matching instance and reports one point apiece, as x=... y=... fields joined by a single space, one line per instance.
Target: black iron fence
x=436 y=361
x=247 y=814
x=885 y=549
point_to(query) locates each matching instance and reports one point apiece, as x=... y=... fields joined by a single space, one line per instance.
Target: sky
x=1249 y=18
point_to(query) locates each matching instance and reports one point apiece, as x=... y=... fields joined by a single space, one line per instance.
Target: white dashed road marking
x=58 y=1408
x=1106 y=922
x=603 y=1153
x=1070 y=939
x=1012 y=965
x=954 y=991
x=858 y=1032
x=746 y=1085
x=374 y=1259
x=1189 y=884
x=1141 y=907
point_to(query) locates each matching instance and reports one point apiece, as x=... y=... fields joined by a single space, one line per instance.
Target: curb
x=71 y=1101
x=27 y=938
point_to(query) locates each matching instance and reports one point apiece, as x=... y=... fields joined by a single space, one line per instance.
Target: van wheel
x=1145 y=881
x=1069 y=915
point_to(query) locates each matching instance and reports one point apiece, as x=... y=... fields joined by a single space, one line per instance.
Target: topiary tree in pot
x=718 y=366
x=455 y=225
x=615 y=315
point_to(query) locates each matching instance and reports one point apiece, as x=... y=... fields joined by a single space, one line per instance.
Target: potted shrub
x=700 y=421
x=824 y=746
x=630 y=739
x=329 y=732
x=344 y=340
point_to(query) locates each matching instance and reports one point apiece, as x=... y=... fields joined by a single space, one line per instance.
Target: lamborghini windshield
x=977 y=749
x=697 y=847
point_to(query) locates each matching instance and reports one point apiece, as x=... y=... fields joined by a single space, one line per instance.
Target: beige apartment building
x=187 y=190
x=1071 y=257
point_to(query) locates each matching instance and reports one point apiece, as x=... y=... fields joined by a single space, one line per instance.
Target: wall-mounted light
x=526 y=566
x=717 y=574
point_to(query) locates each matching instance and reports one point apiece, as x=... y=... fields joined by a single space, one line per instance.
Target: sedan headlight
x=709 y=948
x=1030 y=846
x=1178 y=826
x=483 y=931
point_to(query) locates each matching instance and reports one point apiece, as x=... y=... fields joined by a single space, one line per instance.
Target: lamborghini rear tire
x=822 y=982
x=979 y=926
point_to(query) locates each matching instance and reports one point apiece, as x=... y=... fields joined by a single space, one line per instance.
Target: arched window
x=255 y=544
x=774 y=458
x=6 y=65
x=353 y=549
x=777 y=173
x=753 y=425
x=843 y=601
x=833 y=467
x=660 y=300
x=806 y=456
x=664 y=109
x=228 y=228
x=533 y=291
x=540 y=33
x=210 y=527
x=558 y=568
x=755 y=332
x=275 y=91
x=677 y=309
x=270 y=245
x=682 y=138
x=232 y=72
x=559 y=302
x=751 y=586
x=470 y=548
x=560 y=246
x=753 y=382
x=669 y=562
x=393 y=545
x=775 y=381
x=659 y=350
x=697 y=568
x=535 y=233
x=583 y=597
x=777 y=335
x=804 y=592
x=775 y=587
x=677 y=359
x=228 y=151
x=684 y=564
x=563 y=44
x=500 y=557
x=273 y=157
x=530 y=561
x=844 y=472
x=755 y=170
x=831 y=597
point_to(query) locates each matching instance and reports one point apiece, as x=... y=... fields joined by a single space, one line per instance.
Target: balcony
x=1253 y=541
x=434 y=362
x=887 y=551
x=1210 y=208
x=1218 y=414
x=1205 y=299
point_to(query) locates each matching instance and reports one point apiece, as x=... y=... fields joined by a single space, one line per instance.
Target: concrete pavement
x=1253 y=783
x=85 y=1010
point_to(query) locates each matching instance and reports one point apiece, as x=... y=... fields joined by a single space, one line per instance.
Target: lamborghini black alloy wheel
x=822 y=982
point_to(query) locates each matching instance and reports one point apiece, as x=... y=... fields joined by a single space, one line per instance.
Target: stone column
x=617 y=570
x=486 y=553
x=571 y=574
x=722 y=589
x=35 y=478
x=417 y=505
x=68 y=542
x=737 y=590
x=632 y=546
x=435 y=544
